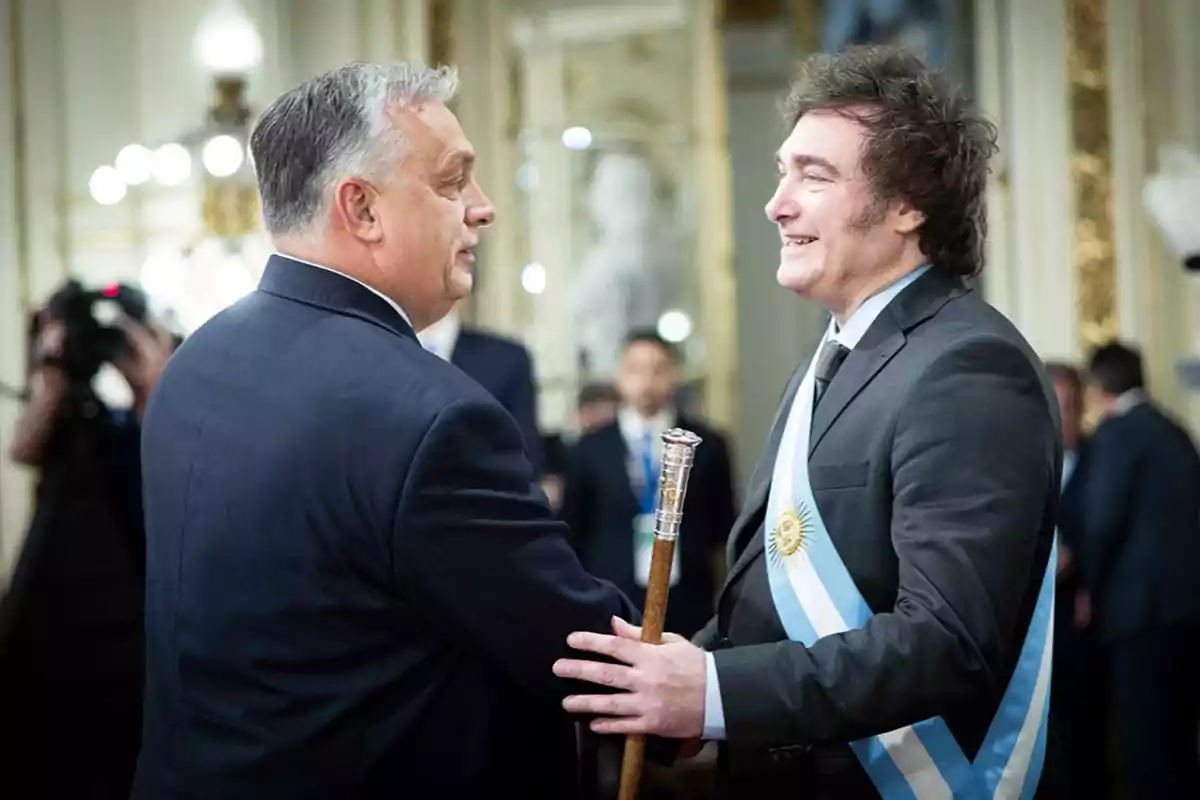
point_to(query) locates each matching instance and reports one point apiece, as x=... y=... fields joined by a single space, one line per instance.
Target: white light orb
x=222 y=156
x=172 y=164
x=135 y=163
x=227 y=43
x=533 y=278
x=106 y=186
x=162 y=278
x=675 y=326
x=577 y=138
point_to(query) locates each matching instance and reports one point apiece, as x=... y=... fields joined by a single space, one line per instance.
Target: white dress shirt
x=634 y=429
x=441 y=337
x=371 y=289
x=849 y=335
x=1129 y=401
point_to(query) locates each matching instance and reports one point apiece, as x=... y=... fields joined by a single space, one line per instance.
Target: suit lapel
x=615 y=450
x=738 y=551
x=917 y=303
x=883 y=340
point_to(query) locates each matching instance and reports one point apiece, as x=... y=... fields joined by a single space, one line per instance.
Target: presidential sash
x=815 y=596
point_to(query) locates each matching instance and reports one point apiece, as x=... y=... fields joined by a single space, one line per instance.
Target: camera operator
x=71 y=646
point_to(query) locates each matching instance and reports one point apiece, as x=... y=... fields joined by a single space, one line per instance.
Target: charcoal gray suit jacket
x=934 y=460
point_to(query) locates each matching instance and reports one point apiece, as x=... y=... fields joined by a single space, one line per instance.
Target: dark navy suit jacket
x=1140 y=544
x=353 y=589
x=504 y=368
x=599 y=506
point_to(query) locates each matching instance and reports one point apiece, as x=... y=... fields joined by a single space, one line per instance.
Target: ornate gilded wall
x=1093 y=251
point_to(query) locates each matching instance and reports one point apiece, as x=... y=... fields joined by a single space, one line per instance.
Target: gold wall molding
x=441 y=32
x=19 y=159
x=1093 y=252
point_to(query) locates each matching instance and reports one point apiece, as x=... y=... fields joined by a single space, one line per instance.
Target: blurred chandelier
x=228 y=47
x=208 y=270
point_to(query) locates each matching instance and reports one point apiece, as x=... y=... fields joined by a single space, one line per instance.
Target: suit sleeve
x=481 y=551
x=973 y=469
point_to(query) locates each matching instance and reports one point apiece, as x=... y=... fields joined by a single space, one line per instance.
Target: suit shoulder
x=970 y=313
x=436 y=384
x=969 y=326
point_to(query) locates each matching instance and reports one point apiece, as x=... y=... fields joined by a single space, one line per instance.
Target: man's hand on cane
x=664 y=683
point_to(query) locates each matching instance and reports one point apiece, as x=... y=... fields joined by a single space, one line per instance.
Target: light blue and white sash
x=816 y=597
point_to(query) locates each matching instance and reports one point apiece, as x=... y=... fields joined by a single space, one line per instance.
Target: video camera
x=91 y=337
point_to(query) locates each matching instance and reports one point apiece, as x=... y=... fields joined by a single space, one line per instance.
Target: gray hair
x=332 y=127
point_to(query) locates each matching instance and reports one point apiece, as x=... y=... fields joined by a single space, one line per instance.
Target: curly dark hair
x=925 y=142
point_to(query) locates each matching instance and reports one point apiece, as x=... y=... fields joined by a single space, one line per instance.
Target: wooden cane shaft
x=631 y=766
x=653 y=617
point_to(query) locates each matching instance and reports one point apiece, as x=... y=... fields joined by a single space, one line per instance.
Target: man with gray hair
x=354 y=589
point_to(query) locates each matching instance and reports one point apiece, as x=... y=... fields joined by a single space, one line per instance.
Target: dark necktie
x=828 y=362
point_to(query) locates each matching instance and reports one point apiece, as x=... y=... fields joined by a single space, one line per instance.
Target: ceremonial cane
x=679 y=450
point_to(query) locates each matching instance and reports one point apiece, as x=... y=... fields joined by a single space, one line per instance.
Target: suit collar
x=861 y=320
x=324 y=288
x=442 y=337
x=886 y=336
x=916 y=303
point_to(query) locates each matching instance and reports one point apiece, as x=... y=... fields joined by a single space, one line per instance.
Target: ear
x=354 y=210
x=906 y=219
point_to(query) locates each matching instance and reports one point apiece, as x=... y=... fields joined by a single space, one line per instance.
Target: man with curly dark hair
x=886 y=626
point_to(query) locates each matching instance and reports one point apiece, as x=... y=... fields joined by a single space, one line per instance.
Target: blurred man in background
x=612 y=486
x=1140 y=553
x=611 y=491
x=596 y=407
x=1078 y=708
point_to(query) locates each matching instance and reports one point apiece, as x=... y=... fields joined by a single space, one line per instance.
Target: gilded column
x=1093 y=251
x=441 y=32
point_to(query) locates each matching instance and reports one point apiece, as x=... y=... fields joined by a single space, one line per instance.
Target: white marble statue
x=624 y=280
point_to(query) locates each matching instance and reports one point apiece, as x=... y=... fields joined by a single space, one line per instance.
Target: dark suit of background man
x=1141 y=560
x=934 y=461
x=500 y=365
x=611 y=491
x=353 y=588
x=612 y=486
x=1078 y=707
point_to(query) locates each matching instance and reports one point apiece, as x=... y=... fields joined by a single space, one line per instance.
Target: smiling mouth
x=798 y=241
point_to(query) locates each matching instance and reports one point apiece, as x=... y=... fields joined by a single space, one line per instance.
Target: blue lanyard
x=649 y=476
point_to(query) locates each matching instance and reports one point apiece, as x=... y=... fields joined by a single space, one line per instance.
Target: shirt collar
x=860 y=321
x=634 y=426
x=371 y=289
x=441 y=337
x=1128 y=401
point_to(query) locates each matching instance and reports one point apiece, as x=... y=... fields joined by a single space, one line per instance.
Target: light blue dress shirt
x=849 y=335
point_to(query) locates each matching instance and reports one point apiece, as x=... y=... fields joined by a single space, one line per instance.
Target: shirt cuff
x=714 y=713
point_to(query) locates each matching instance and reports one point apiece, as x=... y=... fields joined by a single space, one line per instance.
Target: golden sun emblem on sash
x=792 y=532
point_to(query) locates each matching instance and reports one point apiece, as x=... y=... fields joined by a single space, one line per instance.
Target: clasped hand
x=664 y=683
